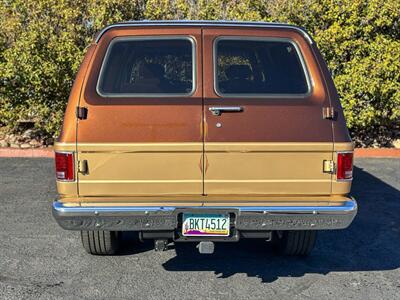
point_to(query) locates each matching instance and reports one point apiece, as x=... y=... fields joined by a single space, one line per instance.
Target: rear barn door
x=263 y=100
x=143 y=132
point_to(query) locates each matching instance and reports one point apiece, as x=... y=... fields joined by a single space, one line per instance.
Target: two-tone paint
x=173 y=151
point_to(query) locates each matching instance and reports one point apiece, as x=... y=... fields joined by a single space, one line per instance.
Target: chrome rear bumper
x=263 y=218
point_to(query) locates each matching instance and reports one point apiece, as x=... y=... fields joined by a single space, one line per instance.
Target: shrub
x=42 y=43
x=360 y=41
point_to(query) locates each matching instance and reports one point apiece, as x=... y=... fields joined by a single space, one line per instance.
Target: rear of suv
x=203 y=132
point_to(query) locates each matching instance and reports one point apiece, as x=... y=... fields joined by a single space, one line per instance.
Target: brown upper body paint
x=142 y=120
x=275 y=146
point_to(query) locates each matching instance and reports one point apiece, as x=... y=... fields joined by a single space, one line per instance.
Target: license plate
x=205 y=225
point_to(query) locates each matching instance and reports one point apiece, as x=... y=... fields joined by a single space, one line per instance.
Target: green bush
x=42 y=43
x=360 y=40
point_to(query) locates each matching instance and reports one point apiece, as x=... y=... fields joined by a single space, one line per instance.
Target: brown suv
x=203 y=132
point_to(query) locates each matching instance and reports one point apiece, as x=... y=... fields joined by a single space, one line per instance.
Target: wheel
x=295 y=242
x=100 y=242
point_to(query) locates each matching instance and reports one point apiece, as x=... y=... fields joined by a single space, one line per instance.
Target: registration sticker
x=205 y=225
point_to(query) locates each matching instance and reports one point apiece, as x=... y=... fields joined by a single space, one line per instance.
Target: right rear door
x=143 y=133
x=263 y=100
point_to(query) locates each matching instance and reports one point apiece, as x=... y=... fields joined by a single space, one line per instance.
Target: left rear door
x=143 y=131
x=264 y=94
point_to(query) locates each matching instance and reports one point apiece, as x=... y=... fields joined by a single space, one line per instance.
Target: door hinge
x=328 y=113
x=83 y=167
x=329 y=167
x=81 y=112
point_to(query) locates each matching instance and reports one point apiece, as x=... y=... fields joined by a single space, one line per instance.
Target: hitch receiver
x=206 y=247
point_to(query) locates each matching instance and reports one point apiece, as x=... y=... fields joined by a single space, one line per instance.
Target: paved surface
x=39 y=260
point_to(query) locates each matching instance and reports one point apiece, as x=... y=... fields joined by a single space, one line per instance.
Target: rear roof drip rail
x=200 y=23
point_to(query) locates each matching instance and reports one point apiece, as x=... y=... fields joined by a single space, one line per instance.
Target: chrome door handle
x=218 y=110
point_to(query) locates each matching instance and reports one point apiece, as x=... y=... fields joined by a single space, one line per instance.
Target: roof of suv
x=202 y=23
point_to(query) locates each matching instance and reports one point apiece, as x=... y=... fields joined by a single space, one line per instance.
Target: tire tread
x=100 y=242
x=297 y=242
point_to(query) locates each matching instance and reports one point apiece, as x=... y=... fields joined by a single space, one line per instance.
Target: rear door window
x=259 y=67
x=139 y=66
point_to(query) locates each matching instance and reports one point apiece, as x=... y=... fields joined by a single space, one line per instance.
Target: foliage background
x=42 y=43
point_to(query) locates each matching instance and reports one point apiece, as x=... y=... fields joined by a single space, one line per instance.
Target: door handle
x=218 y=110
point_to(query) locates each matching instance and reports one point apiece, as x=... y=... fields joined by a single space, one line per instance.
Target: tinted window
x=156 y=66
x=259 y=67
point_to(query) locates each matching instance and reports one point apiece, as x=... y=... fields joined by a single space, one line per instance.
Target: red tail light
x=65 y=166
x=345 y=165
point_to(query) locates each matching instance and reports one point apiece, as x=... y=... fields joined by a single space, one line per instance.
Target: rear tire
x=100 y=242
x=295 y=242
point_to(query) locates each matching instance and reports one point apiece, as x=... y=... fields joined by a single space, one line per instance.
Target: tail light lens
x=345 y=165
x=64 y=166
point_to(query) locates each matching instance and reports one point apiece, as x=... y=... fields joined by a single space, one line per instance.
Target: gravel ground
x=40 y=260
